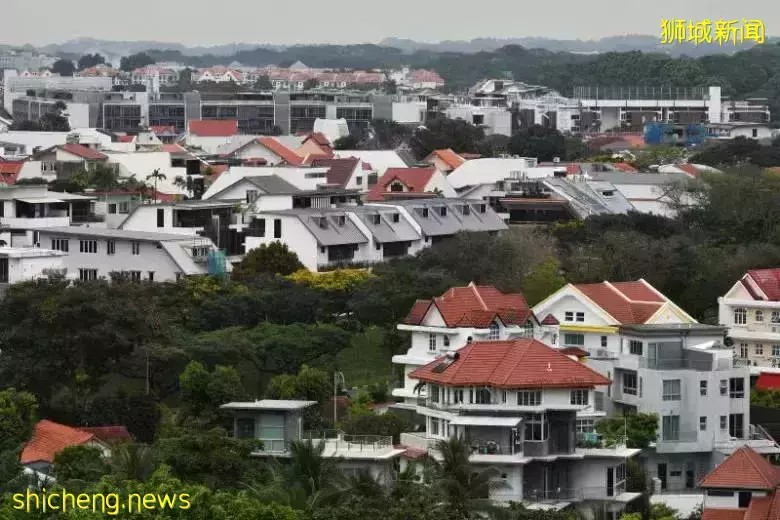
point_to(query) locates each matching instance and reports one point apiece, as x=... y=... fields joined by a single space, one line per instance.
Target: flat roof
x=28 y=252
x=148 y=236
x=481 y=420
x=269 y=404
x=694 y=328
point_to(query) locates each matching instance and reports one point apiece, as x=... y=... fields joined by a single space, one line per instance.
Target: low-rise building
x=50 y=438
x=404 y=183
x=20 y=264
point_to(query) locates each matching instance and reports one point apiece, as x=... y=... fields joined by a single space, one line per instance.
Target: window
x=425 y=212
x=112 y=209
x=482 y=208
x=434 y=427
x=737 y=425
x=277 y=228
x=431 y=342
x=629 y=383
x=579 y=397
x=503 y=396
x=87 y=274
x=670 y=427
x=635 y=347
x=604 y=341
x=151 y=276
x=529 y=397
x=568 y=316
x=161 y=217
x=743 y=350
x=466 y=210
x=88 y=246
x=110 y=247
x=775 y=317
x=457 y=395
x=494 y=332
x=433 y=393
x=482 y=396
x=136 y=247
x=740 y=316
x=703 y=423
x=574 y=340
x=528 y=329
x=359 y=181
x=135 y=276
x=580 y=317
x=723 y=422
x=703 y=388
x=124 y=208
x=759 y=316
x=736 y=388
x=60 y=244
x=245 y=428
x=376 y=219
x=724 y=386
x=775 y=350
x=620 y=479
x=260 y=227
x=759 y=349
x=251 y=196
x=446 y=341
x=443 y=211
x=585 y=426
x=535 y=427
x=671 y=390
x=396 y=218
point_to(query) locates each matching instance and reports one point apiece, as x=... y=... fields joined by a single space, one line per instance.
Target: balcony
x=758 y=439
x=87 y=218
x=683 y=441
x=339 y=444
x=33 y=222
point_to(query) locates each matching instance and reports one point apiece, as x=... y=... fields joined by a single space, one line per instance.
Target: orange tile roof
x=50 y=438
x=163 y=129
x=84 y=152
x=690 y=169
x=625 y=167
x=521 y=363
x=764 y=508
x=474 y=306
x=550 y=320
x=213 y=127
x=575 y=351
x=723 y=514
x=173 y=148
x=768 y=280
x=629 y=303
x=126 y=138
x=287 y=155
x=11 y=167
x=415 y=180
x=449 y=157
x=109 y=433
x=743 y=469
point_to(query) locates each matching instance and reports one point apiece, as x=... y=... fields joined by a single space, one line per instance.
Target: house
x=167 y=134
x=94 y=253
x=400 y=183
x=751 y=311
x=444 y=160
x=50 y=438
x=660 y=360
x=109 y=434
x=745 y=486
x=445 y=323
x=279 y=423
x=60 y=162
x=20 y=264
x=648 y=192
x=315 y=143
x=270 y=150
x=758 y=131
x=9 y=171
x=515 y=402
x=379 y=160
x=345 y=173
x=209 y=134
x=113 y=206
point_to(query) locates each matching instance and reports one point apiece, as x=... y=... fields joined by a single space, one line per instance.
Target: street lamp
x=337 y=376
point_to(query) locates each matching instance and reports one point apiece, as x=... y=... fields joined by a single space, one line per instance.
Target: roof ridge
x=474 y=289
x=760 y=469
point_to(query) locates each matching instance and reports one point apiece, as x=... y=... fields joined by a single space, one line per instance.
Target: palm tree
x=156 y=175
x=179 y=182
x=133 y=462
x=465 y=491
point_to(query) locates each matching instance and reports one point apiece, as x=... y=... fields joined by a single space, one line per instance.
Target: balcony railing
x=85 y=218
x=554 y=495
x=338 y=441
x=483 y=447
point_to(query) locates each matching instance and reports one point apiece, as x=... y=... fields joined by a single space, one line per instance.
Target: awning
x=478 y=420
x=41 y=200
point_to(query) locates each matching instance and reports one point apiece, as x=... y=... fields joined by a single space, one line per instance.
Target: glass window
x=759 y=316
x=136 y=247
x=535 y=427
x=580 y=317
x=630 y=383
x=569 y=316
x=724 y=386
x=575 y=340
x=482 y=396
x=740 y=316
x=671 y=390
x=737 y=425
x=603 y=341
x=670 y=427
x=736 y=387
x=579 y=397
x=245 y=428
x=703 y=423
x=110 y=247
x=702 y=387
x=445 y=341
x=529 y=397
x=431 y=342
x=586 y=426
x=775 y=317
x=433 y=393
x=494 y=332
x=723 y=422
x=759 y=349
x=743 y=350
x=775 y=350
x=635 y=347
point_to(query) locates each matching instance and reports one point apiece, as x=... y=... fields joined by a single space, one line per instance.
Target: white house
x=411 y=182
x=751 y=311
x=20 y=264
x=210 y=134
x=758 y=131
x=93 y=253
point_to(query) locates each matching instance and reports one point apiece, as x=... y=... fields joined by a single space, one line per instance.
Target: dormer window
x=446 y=341
x=341 y=220
x=466 y=210
x=396 y=218
x=425 y=212
x=396 y=187
x=482 y=208
x=443 y=211
x=376 y=219
x=494 y=331
x=323 y=222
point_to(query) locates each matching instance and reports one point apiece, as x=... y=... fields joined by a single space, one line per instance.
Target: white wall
x=208 y=144
x=29 y=268
x=256 y=151
x=294 y=234
x=439 y=181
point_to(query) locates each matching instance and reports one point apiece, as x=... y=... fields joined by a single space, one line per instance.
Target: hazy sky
x=210 y=22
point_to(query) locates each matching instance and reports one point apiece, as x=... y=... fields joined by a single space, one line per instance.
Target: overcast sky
x=211 y=22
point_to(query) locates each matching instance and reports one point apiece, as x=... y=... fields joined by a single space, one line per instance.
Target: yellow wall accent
x=588 y=328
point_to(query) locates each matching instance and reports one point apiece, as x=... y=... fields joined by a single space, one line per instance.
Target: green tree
x=389 y=424
x=203 y=392
x=263 y=83
x=310 y=384
x=135 y=61
x=273 y=258
x=156 y=176
x=63 y=67
x=543 y=280
x=18 y=411
x=90 y=60
x=311 y=83
x=537 y=141
x=132 y=462
x=637 y=430
x=82 y=464
x=441 y=132
x=659 y=155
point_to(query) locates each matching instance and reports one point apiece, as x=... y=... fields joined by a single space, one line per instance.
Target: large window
x=87 y=274
x=60 y=244
x=740 y=316
x=494 y=332
x=431 y=342
x=245 y=428
x=529 y=397
x=482 y=396
x=737 y=425
x=574 y=340
x=579 y=397
x=277 y=228
x=433 y=393
x=737 y=387
x=671 y=390
x=635 y=347
x=670 y=427
x=535 y=427
x=88 y=246
x=629 y=383
x=743 y=350
x=585 y=426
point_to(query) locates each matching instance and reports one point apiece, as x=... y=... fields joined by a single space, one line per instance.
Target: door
x=652 y=355
x=610 y=482
x=689 y=478
x=662 y=474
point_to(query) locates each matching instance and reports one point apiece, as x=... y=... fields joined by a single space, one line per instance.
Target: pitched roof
x=768 y=381
x=340 y=170
x=50 y=438
x=83 y=151
x=550 y=320
x=9 y=170
x=289 y=156
x=764 y=508
x=575 y=351
x=109 y=433
x=126 y=138
x=449 y=157
x=768 y=280
x=629 y=303
x=415 y=180
x=723 y=514
x=475 y=306
x=625 y=167
x=743 y=469
x=319 y=138
x=163 y=129
x=520 y=363
x=213 y=127
x=173 y=148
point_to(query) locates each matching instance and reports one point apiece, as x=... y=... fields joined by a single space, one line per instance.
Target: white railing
x=338 y=441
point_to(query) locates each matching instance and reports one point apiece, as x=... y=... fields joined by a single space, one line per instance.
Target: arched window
x=740 y=316
x=495 y=332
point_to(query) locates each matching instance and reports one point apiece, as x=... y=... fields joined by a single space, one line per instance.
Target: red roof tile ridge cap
x=474 y=289
x=519 y=359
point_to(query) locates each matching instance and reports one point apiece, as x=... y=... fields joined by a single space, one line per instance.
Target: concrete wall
x=294 y=234
x=29 y=268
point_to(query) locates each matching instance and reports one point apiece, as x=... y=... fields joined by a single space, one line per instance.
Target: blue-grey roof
x=589 y=198
x=387 y=230
x=428 y=214
x=329 y=226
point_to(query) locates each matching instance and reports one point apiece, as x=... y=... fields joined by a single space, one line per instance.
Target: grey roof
x=589 y=198
x=269 y=404
x=270 y=184
x=332 y=233
x=455 y=220
x=386 y=230
x=182 y=259
x=639 y=178
x=119 y=234
x=666 y=328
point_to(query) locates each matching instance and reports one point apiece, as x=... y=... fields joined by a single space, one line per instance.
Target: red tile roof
x=575 y=351
x=11 y=167
x=413 y=453
x=474 y=306
x=319 y=138
x=550 y=320
x=50 y=438
x=521 y=363
x=768 y=280
x=339 y=170
x=109 y=433
x=625 y=167
x=573 y=169
x=289 y=156
x=84 y=152
x=690 y=169
x=768 y=381
x=627 y=302
x=415 y=180
x=449 y=157
x=173 y=148
x=163 y=130
x=469 y=156
x=743 y=469
x=126 y=138
x=723 y=514
x=213 y=127
x=764 y=508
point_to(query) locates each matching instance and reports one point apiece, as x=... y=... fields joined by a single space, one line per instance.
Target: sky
x=215 y=22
